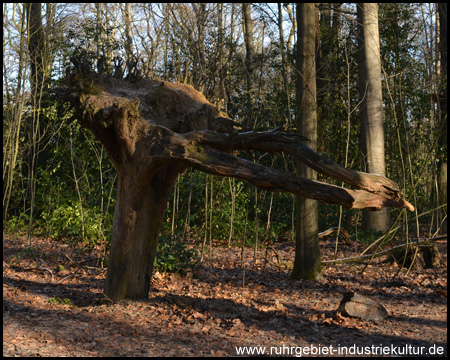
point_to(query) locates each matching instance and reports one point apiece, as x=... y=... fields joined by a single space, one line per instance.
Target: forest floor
x=53 y=306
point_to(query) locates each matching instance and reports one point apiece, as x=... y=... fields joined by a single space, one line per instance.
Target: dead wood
x=411 y=245
x=157 y=123
x=356 y=305
x=342 y=232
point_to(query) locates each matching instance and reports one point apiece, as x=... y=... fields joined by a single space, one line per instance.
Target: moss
x=313 y=273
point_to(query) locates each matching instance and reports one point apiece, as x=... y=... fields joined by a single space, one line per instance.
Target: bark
x=154 y=130
x=35 y=45
x=250 y=48
x=131 y=61
x=140 y=205
x=38 y=78
x=372 y=117
x=200 y=63
x=442 y=108
x=11 y=129
x=220 y=44
x=284 y=66
x=307 y=251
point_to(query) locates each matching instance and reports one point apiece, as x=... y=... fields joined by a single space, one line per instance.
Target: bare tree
x=372 y=116
x=15 y=98
x=250 y=48
x=307 y=251
x=36 y=49
x=442 y=103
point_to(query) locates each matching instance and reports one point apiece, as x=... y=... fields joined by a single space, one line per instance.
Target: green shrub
x=368 y=236
x=173 y=255
x=66 y=222
x=16 y=224
x=60 y=301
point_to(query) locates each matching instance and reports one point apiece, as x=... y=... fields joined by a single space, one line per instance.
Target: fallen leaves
x=207 y=314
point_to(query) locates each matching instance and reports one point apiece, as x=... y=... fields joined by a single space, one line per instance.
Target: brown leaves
x=209 y=314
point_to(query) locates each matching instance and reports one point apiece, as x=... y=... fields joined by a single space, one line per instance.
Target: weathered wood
x=357 y=305
x=342 y=232
x=154 y=130
x=209 y=151
x=173 y=122
x=217 y=162
x=382 y=253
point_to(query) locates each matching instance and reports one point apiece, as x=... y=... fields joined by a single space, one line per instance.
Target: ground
x=53 y=306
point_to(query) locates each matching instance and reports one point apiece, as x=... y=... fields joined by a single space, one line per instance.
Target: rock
x=362 y=307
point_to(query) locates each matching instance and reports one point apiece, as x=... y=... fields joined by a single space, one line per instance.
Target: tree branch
x=196 y=150
x=381 y=253
x=276 y=141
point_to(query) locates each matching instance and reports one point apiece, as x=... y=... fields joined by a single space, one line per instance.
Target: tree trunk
x=37 y=54
x=36 y=46
x=307 y=251
x=284 y=68
x=372 y=131
x=442 y=110
x=11 y=129
x=250 y=49
x=131 y=60
x=220 y=44
x=138 y=216
x=200 y=74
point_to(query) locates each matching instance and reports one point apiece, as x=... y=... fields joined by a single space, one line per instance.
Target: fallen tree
x=154 y=130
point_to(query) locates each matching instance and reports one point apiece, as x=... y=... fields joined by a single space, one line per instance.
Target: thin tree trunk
x=187 y=231
x=293 y=27
x=129 y=39
x=250 y=48
x=12 y=129
x=307 y=252
x=372 y=131
x=77 y=187
x=206 y=218
x=36 y=51
x=284 y=67
x=233 y=208
x=200 y=10
x=255 y=252
x=210 y=224
x=442 y=109
x=220 y=44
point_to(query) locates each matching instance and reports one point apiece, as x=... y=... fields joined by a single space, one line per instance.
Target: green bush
x=66 y=222
x=173 y=255
x=59 y=301
x=368 y=236
x=16 y=223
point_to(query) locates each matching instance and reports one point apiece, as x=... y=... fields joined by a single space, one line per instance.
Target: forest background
x=59 y=182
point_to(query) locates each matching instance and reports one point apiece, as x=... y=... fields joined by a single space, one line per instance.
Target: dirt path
x=53 y=306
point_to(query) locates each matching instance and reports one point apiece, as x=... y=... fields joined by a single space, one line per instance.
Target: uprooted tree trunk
x=154 y=130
